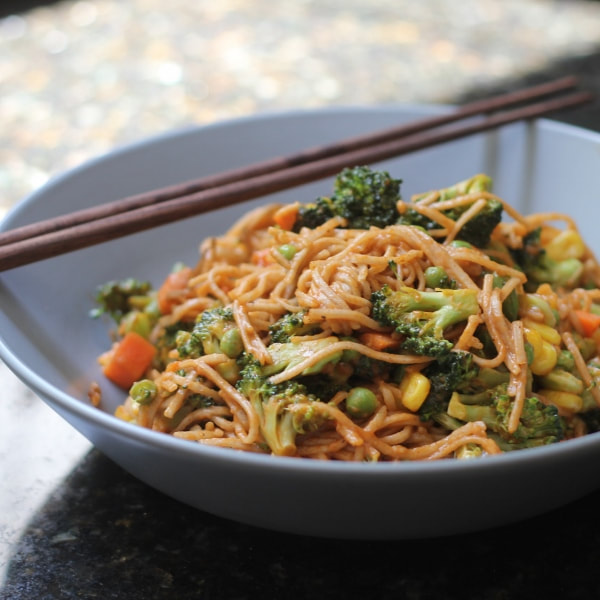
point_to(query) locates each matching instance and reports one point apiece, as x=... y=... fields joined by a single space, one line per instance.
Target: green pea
x=349 y=356
x=436 y=277
x=460 y=244
x=143 y=391
x=361 y=402
x=229 y=370
x=231 y=343
x=288 y=251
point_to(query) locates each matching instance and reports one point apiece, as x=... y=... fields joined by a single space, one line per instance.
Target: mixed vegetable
x=449 y=387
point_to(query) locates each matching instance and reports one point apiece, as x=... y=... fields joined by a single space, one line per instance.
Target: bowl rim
x=54 y=396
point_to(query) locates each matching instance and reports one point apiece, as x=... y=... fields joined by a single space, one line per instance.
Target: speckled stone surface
x=78 y=79
x=119 y=539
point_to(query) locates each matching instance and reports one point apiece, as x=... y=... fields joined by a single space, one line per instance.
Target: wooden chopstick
x=230 y=192
x=272 y=165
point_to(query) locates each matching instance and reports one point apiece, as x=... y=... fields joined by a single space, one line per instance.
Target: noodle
x=327 y=277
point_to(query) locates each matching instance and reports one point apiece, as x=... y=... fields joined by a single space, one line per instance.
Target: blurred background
x=79 y=77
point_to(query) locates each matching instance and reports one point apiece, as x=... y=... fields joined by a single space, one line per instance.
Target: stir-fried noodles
x=362 y=327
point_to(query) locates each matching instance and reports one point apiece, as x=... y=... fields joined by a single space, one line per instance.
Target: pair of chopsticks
x=115 y=219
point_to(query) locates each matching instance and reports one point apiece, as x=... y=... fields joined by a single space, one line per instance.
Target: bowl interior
x=46 y=335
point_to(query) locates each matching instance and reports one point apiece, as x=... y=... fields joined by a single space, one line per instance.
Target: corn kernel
x=534 y=338
x=564 y=400
x=548 y=333
x=567 y=244
x=548 y=233
x=545 y=360
x=414 y=389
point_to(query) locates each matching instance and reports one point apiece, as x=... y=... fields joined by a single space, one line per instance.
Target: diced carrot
x=378 y=341
x=262 y=258
x=129 y=359
x=171 y=289
x=286 y=216
x=589 y=322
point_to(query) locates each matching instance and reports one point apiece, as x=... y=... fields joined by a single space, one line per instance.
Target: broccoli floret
x=289 y=325
x=117 y=298
x=279 y=425
x=200 y=401
x=294 y=406
x=366 y=368
x=342 y=372
x=445 y=375
x=366 y=198
x=214 y=331
x=423 y=316
x=533 y=260
x=476 y=231
x=540 y=424
x=314 y=214
x=322 y=386
x=288 y=355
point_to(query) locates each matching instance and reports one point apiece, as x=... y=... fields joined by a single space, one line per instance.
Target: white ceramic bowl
x=48 y=340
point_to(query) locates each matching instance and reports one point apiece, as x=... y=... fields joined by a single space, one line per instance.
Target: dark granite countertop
x=72 y=523
x=102 y=534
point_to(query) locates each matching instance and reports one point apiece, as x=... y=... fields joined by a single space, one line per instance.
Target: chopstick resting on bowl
x=111 y=220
